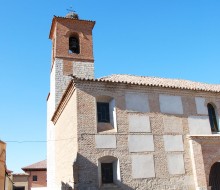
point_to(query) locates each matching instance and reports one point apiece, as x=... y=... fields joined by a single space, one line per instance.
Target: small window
x=34 y=178
x=108 y=170
x=74 y=45
x=103 y=112
x=212 y=118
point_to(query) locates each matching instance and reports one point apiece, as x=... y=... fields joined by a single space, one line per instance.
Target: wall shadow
x=65 y=186
x=85 y=176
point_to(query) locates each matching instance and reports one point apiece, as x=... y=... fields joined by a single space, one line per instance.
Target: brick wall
x=63 y=29
x=87 y=129
x=78 y=115
x=41 y=179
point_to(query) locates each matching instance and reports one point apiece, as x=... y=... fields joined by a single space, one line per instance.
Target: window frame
x=213 y=118
x=103 y=117
x=34 y=178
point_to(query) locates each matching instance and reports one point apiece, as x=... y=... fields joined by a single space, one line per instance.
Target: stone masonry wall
x=61 y=80
x=63 y=70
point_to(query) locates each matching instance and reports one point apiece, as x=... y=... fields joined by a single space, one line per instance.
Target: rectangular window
x=34 y=178
x=103 y=112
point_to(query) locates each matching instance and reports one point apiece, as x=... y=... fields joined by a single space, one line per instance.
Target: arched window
x=212 y=118
x=74 y=45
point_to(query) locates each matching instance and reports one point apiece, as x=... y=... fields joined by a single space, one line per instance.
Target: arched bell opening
x=74 y=44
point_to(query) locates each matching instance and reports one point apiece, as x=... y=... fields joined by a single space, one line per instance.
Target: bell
x=73 y=45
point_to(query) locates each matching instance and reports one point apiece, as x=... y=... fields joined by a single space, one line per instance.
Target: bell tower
x=72 y=43
x=72 y=54
x=72 y=51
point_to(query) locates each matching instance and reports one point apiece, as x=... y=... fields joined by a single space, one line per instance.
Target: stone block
x=199 y=125
x=200 y=106
x=175 y=164
x=105 y=141
x=137 y=102
x=139 y=123
x=140 y=143
x=171 y=104
x=143 y=166
x=173 y=143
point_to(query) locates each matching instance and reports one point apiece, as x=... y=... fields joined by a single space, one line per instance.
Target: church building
x=123 y=131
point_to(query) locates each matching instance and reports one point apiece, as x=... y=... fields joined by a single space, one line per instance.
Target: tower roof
x=73 y=17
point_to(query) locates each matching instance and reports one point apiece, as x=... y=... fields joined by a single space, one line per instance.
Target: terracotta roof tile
x=158 y=82
x=74 y=19
x=38 y=165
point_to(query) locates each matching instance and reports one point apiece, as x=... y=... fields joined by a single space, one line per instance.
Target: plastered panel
x=173 y=125
x=200 y=106
x=199 y=125
x=173 y=143
x=105 y=141
x=143 y=166
x=171 y=104
x=175 y=164
x=139 y=123
x=140 y=143
x=137 y=102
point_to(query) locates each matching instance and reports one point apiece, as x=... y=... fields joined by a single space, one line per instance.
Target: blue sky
x=163 y=38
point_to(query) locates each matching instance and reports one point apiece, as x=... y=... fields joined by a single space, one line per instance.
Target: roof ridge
x=156 y=82
x=73 y=18
x=40 y=164
x=154 y=77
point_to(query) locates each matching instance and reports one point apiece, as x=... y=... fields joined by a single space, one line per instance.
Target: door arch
x=214 y=176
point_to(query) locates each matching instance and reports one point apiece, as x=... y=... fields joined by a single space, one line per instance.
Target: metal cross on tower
x=71 y=9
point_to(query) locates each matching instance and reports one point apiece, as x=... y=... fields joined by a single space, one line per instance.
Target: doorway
x=107 y=173
x=18 y=188
x=214 y=176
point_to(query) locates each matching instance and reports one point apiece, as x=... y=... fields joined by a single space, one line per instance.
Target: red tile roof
x=36 y=166
x=157 y=82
